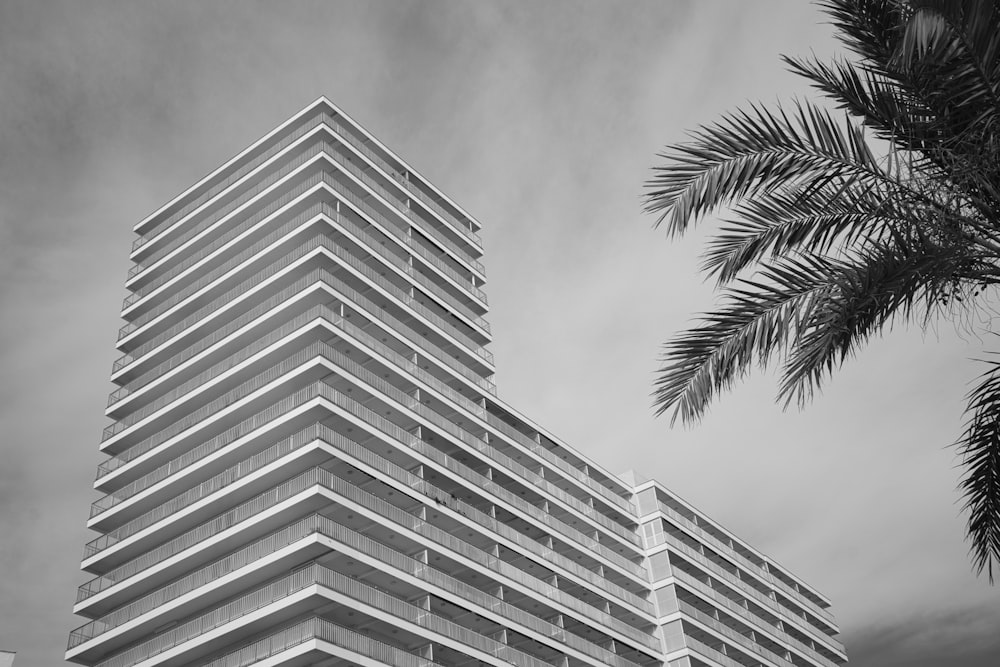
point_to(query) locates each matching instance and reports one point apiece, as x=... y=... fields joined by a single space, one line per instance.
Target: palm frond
x=979 y=448
x=894 y=114
x=756 y=150
x=841 y=240
x=887 y=281
x=954 y=49
x=869 y=28
x=753 y=323
x=785 y=221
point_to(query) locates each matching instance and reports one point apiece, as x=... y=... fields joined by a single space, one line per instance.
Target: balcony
x=379 y=350
x=170 y=340
x=387 y=514
x=318 y=582
x=770 y=604
x=357 y=646
x=351 y=542
x=749 y=566
x=291 y=170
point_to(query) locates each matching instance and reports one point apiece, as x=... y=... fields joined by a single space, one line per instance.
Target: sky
x=542 y=120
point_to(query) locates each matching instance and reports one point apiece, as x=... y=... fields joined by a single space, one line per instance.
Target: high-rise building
x=309 y=465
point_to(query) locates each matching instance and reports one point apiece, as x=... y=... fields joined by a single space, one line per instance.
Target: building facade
x=309 y=465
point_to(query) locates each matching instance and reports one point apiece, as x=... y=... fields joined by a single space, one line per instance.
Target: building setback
x=308 y=463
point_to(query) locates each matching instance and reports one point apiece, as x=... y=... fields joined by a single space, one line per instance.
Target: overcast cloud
x=541 y=119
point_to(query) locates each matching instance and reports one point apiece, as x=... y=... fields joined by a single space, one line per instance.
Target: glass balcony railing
x=284 y=447
x=397 y=359
x=389 y=512
x=736 y=609
x=448 y=328
x=205 y=410
x=128 y=421
x=368 y=597
x=391 y=356
x=733 y=636
x=258 y=190
x=370 y=244
x=477 y=410
x=481 y=521
x=168 y=509
x=317 y=349
x=164 y=224
x=399 y=206
x=192 y=456
x=313 y=277
x=400 y=179
x=749 y=566
x=514 y=469
x=331 y=151
x=706 y=651
x=238 y=227
x=351 y=139
x=200 y=577
x=700 y=560
x=241 y=355
x=326 y=631
x=352 y=540
x=400 y=235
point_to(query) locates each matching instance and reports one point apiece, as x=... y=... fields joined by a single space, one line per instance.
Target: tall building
x=309 y=465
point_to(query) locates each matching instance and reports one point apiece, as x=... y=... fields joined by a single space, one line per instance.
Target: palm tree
x=842 y=222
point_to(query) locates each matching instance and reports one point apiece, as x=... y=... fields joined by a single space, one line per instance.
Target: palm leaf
x=753 y=323
x=887 y=281
x=784 y=221
x=979 y=448
x=756 y=151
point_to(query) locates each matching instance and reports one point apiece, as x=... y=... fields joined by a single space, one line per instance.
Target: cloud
x=935 y=638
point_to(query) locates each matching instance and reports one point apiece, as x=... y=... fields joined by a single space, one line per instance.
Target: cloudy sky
x=542 y=121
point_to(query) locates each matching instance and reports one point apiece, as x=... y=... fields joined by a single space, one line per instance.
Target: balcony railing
x=733 y=636
x=316 y=349
x=391 y=513
x=310 y=279
x=231 y=434
x=242 y=225
x=408 y=439
x=409 y=187
x=130 y=420
x=746 y=615
x=192 y=456
x=514 y=468
x=205 y=575
x=704 y=650
x=231 y=295
x=473 y=408
x=326 y=631
x=239 y=513
x=353 y=540
x=352 y=140
x=292 y=443
x=222 y=479
x=370 y=244
x=701 y=561
x=332 y=152
x=259 y=189
x=241 y=355
x=205 y=410
x=752 y=568
x=398 y=205
x=368 y=596
x=390 y=355
x=418 y=248
x=234 y=176
x=426 y=529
